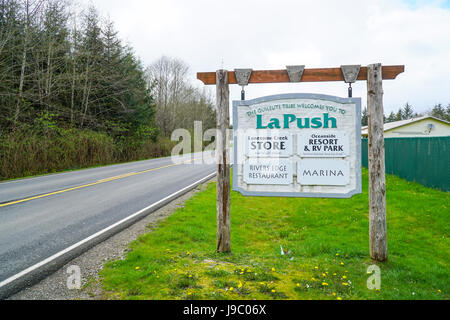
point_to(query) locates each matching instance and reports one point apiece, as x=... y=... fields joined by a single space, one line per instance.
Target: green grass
x=327 y=242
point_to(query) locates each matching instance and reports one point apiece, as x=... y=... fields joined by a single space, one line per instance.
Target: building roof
x=401 y=123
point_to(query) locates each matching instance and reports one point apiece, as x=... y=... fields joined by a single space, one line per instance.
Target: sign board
x=297 y=145
x=268 y=171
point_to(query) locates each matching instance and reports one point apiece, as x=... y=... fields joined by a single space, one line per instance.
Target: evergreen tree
x=391 y=117
x=364 y=119
x=11 y=31
x=51 y=56
x=73 y=71
x=399 y=115
x=440 y=112
x=407 y=112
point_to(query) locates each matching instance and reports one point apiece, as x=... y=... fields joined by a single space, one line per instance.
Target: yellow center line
x=92 y=184
x=118 y=177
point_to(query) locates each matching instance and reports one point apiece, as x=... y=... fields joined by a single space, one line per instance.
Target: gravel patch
x=54 y=287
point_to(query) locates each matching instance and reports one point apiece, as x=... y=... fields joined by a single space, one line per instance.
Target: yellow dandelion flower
x=248 y=270
x=334 y=294
x=137 y=268
x=337 y=254
x=342 y=263
x=439 y=291
x=190 y=276
x=344 y=283
x=324 y=284
x=231 y=289
x=240 y=285
x=316 y=268
x=313 y=279
x=339 y=298
x=335 y=274
x=298 y=284
x=344 y=277
x=262 y=283
x=273 y=269
x=324 y=275
x=273 y=291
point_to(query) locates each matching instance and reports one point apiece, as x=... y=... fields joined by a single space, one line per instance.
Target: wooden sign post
x=377 y=179
x=223 y=167
x=374 y=74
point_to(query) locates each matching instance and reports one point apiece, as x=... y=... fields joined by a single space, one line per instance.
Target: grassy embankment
x=26 y=153
x=326 y=239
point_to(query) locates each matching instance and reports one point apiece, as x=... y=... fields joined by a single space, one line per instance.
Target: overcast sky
x=210 y=35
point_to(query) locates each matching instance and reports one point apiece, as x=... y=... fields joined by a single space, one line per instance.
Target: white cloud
x=272 y=34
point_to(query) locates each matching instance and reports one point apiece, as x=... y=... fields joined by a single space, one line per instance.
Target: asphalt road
x=43 y=216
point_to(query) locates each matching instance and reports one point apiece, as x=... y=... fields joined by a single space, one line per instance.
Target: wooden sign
x=299 y=164
x=297 y=145
x=309 y=75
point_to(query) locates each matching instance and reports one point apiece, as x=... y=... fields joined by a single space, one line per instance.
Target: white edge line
x=57 y=255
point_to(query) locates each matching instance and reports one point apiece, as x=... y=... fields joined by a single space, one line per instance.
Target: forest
x=73 y=95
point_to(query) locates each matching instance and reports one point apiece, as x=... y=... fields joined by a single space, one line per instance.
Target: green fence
x=423 y=160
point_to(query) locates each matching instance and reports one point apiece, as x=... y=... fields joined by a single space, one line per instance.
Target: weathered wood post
x=377 y=179
x=223 y=167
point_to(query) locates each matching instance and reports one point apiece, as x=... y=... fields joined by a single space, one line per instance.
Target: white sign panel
x=319 y=144
x=268 y=172
x=266 y=143
x=297 y=145
x=323 y=172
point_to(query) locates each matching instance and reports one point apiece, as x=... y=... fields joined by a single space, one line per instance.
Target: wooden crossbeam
x=309 y=75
